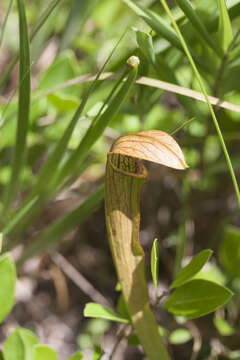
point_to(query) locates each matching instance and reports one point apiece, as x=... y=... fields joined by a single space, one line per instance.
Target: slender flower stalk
x=125 y=177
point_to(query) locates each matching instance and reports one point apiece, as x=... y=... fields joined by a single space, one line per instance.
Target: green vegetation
x=79 y=76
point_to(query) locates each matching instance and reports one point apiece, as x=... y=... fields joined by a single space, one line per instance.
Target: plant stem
x=120 y=337
x=220 y=74
x=125 y=177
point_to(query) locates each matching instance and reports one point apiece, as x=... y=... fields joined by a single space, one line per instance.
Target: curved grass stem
x=200 y=81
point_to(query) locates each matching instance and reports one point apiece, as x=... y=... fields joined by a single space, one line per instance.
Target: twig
x=159 y=298
x=61 y=288
x=197 y=339
x=176 y=89
x=78 y=279
x=121 y=335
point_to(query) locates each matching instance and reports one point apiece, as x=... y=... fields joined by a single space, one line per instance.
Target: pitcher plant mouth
x=125 y=177
x=140 y=170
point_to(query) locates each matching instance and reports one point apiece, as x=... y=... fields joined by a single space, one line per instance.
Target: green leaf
x=161 y=27
x=102 y=312
x=211 y=110
x=223 y=326
x=97 y=353
x=156 y=23
x=197 y=24
x=53 y=233
x=145 y=43
x=197 y=298
x=100 y=123
x=64 y=102
x=133 y=340
x=5 y=21
x=97 y=327
x=47 y=175
x=163 y=70
x=77 y=356
x=7 y=288
x=122 y=307
x=79 y=13
x=20 y=215
x=63 y=69
x=211 y=272
x=23 y=107
x=229 y=253
x=19 y=345
x=225 y=34
x=189 y=271
x=42 y=19
x=155 y=262
x=180 y=336
x=44 y=352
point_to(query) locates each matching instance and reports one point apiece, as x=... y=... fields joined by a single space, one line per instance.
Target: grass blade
x=5 y=21
x=200 y=81
x=198 y=25
x=48 y=172
x=16 y=218
x=45 y=187
x=46 y=13
x=80 y=11
x=225 y=34
x=163 y=70
x=23 y=107
x=96 y=130
x=162 y=28
x=33 y=33
x=56 y=231
x=156 y=23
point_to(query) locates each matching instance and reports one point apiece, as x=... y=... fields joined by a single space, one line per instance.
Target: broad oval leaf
x=44 y=352
x=155 y=262
x=77 y=356
x=7 y=288
x=151 y=145
x=197 y=298
x=63 y=102
x=19 y=345
x=212 y=272
x=189 y=271
x=180 y=336
x=103 y=312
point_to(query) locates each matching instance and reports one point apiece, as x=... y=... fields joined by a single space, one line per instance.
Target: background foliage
x=54 y=141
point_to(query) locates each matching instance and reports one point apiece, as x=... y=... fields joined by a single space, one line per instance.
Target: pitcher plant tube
x=125 y=177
